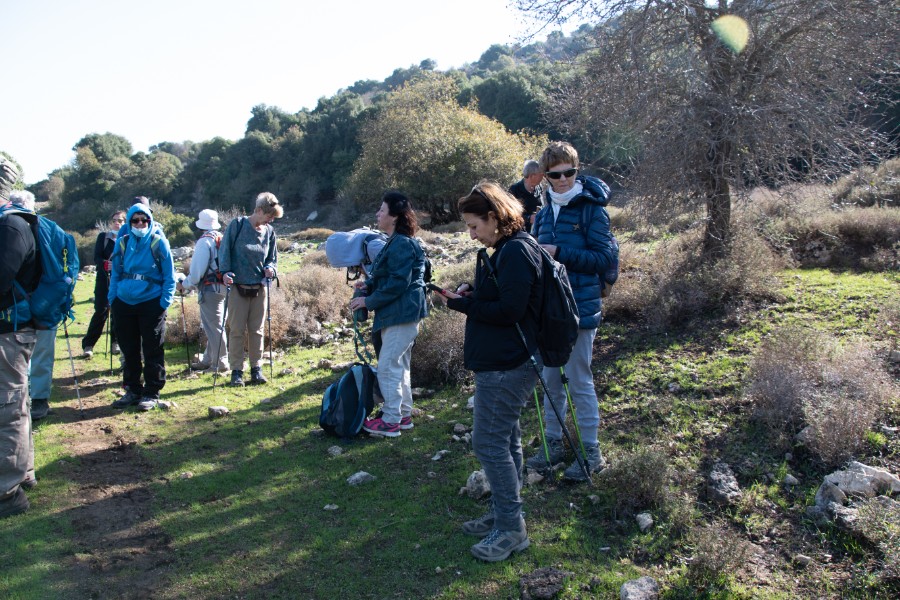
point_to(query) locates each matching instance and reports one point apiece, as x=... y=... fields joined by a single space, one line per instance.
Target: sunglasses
x=558 y=174
x=139 y=220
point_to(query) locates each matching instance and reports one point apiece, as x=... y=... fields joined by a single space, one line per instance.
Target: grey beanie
x=9 y=175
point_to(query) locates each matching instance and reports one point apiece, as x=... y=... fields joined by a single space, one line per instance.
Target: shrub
x=871 y=186
x=799 y=376
x=177 y=226
x=437 y=358
x=718 y=552
x=672 y=283
x=85 y=244
x=313 y=233
x=639 y=479
x=880 y=522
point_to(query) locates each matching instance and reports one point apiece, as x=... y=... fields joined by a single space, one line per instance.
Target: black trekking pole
x=72 y=363
x=221 y=335
x=582 y=463
x=269 y=325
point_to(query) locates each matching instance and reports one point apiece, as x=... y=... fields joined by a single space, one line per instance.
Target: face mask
x=139 y=233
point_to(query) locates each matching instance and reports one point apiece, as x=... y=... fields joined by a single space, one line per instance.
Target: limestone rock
x=644 y=588
x=860 y=479
x=360 y=478
x=644 y=521
x=216 y=412
x=723 y=487
x=543 y=584
x=477 y=485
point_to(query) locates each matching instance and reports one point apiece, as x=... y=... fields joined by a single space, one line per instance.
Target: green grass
x=250 y=521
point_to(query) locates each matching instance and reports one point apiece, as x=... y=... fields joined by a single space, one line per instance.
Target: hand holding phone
x=437 y=289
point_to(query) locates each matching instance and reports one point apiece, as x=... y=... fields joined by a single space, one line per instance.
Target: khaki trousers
x=246 y=319
x=16 y=443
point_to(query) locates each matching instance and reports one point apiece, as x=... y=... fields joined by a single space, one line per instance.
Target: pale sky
x=175 y=70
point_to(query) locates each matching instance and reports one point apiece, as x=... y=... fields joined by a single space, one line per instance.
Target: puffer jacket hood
x=142 y=267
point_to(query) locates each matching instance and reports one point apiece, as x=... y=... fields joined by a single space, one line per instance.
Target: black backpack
x=558 y=318
x=348 y=401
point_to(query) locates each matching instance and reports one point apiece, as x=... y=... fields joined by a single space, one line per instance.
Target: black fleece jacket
x=19 y=261
x=492 y=341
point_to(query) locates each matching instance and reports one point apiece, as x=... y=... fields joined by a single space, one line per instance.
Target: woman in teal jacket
x=141 y=288
x=396 y=292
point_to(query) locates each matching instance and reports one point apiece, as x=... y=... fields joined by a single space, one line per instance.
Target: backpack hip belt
x=140 y=277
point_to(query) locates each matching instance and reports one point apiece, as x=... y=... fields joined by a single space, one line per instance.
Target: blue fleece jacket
x=581 y=233
x=137 y=275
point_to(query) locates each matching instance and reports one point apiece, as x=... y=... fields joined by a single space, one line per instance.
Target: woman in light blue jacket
x=141 y=288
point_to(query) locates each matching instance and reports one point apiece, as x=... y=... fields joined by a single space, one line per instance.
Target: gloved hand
x=107 y=265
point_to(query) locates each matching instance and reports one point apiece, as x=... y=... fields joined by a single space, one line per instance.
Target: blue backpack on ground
x=51 y=301
x=348 y=401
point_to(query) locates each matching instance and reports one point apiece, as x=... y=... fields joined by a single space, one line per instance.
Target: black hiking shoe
x=14 y=505
x=40 y=408
x=237 y=378
x=129 y=399
x=256 y=376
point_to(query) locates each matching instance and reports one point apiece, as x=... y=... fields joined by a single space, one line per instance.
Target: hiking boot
x=15 y=504
x=406 y=423
x=256 y=377
x=498 y=545
x=237 y=378
x=30 y=483
x=88 y=352
x=148 y=403
x=199 y=366
x=480 y=526
x=595 y=464
x=557 y=451
x=114 y=348
x=40 y=408
x=129 y=399
x=380 y=427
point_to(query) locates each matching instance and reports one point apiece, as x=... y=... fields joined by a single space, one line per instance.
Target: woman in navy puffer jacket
x=574 y=228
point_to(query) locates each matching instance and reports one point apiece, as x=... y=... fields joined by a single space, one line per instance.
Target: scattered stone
x=265 y=401
x=477 y=485
x=438 y=570
x=644 y=588
x=723 y=487
x=889 y=430
x=533 y=477
x=894 y=356
x=828 y=493
x=674 y=388
x=315 y=432
x=330 y=507
x=166 y=404
x=804 y=437
x=460 y=429
x=324 y=364
x=788 y=456
x=419 y=393
x=790 y=480
x=802 y=560
x=313 y=216
x=594 y=498
x=644 y=521
x=605 y=549
x=186 y=475
x=335 y=451
x=470 y=403
x=287 y=371
x=360 y=478
x=441 y=454
x=860 y=479
x=544 y=583
x=432 y=474
x=216 y=412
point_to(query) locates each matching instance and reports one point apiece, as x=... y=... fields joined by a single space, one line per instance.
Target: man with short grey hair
x=528 y=190
x=20 y=265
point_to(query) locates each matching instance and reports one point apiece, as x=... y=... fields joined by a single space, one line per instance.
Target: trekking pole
x=582 y=463
x=269 y=325
x=221 y=335
x=72 y=363
x=187 y=352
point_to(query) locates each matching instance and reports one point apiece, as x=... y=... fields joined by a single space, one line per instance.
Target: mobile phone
x=437 y=289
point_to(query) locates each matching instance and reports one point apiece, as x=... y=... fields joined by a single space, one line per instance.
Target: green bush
x=438 y=356
x=638 y=479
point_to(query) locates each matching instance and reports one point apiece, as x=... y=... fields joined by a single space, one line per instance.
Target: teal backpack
x=51 y=301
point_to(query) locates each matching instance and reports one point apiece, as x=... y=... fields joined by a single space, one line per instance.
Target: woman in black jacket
x=103 y=249
x=506 y=294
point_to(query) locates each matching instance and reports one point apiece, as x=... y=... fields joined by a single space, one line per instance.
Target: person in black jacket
x=528 y=190
x=507 y=294
x=103 y=249
x=20 y=265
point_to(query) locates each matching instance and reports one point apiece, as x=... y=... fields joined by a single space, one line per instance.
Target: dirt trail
x=120 y=551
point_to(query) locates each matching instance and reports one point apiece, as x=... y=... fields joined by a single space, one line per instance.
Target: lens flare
x=732 y=31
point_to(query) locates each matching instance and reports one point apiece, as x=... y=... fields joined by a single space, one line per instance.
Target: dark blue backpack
x=51 y=301
x=348 y=401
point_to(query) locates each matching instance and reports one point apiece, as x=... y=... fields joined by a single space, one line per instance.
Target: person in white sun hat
x=206 y=278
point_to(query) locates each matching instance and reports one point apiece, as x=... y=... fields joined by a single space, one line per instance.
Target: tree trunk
x=717 y=238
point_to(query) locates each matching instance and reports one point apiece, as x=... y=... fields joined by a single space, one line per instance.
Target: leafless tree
x=707 y=122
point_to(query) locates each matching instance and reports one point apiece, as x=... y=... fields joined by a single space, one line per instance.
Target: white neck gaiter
x=558 y=200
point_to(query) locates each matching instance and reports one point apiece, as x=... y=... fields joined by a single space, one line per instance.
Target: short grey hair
x=22 y=198
x=531 y=167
